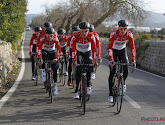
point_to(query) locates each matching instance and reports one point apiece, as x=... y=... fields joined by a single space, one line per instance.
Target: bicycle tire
x=61 y=74
x=114 y=91
x=114 y=96
x=64 y=76
x=36 y=75
x=84 y=81
x=51 y=87
x=119 y=95
x=73 y=80
x=80 y=95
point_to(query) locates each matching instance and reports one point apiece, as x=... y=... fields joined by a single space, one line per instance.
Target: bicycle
x=117 y=89
x=49 y=78
x=83 y=84
x=62 y=76
x=36 y=71
x=73 y=76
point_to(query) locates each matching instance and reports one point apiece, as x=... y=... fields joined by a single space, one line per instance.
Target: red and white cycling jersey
x=44 y=44
x=69 y=38
x=83 y=45
x=98 y=44
x=64 y=43
x=119 y=42
x=33 y=41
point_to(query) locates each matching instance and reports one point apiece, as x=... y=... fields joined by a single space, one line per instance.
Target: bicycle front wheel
x=119 y=96
x=84 y=82
x=51 y=87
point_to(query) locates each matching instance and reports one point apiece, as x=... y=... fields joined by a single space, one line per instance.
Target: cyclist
x=98 y=46
x=83 y=43
x=75 y=29
x=32 y=49
x=42 y=33
x=49 y=46
x=64 y=45
x=117 y=49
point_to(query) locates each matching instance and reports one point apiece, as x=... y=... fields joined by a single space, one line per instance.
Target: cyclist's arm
x=132 y=46
x=98 y=45
x=39 y=48
x=68 y=46
x=57 y=46
x=93 y=48
x=110 y=45
x=73 y=44
x=31 y=43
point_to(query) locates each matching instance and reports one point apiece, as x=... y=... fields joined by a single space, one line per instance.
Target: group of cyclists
x=82 y=41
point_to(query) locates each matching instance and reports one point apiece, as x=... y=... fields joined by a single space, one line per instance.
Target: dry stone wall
x=152 y=59
x=7 y=58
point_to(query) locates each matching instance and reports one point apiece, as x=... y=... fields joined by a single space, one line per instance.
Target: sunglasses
x=49 y=35
x=122 y=28
x=60 y=35
x=84 y=31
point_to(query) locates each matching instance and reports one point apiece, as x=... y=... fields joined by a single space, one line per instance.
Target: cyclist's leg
x=123 y=58
x=43 y=73
x=32 y=64
x=78 y=72
x=112 y=72
x=64 y=53
x=69 y=70
x=110 y=79
x=52 y=56
x=32 y=59
x=90 y=68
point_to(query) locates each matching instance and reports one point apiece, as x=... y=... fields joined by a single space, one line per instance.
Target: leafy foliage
x=141 y=43
x=12 y=21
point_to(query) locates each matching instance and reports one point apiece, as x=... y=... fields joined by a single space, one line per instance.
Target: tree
x=12 y=14
x=96 y=11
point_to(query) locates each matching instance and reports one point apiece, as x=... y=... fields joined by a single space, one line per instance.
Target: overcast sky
x=37 y=6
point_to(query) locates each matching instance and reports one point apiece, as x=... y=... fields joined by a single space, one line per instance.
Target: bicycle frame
x=118 y=85
x=61 y=70
x=49 y=78
x=83 y=86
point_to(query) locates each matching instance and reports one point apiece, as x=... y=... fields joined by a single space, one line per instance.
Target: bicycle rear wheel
x=119 y=95
x=64 y=76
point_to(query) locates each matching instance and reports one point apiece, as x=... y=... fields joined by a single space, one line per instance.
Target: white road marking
x=131 y=101
x=13 y=88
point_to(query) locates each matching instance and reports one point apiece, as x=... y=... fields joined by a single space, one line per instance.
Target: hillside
x=29 y=18
x=155 y=20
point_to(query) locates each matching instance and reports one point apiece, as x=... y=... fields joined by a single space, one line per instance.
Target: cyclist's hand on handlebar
x=133 y=64
x=30 y=53
x=35 y=58
x=99 y=61
x=111 y=63
x=74 y=64
x=55 y=60
x=40 y=62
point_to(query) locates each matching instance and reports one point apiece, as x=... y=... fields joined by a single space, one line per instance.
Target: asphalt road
x=144 y=101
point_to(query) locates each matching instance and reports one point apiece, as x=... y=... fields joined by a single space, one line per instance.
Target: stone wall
x=8 y=58
x=153 y=58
